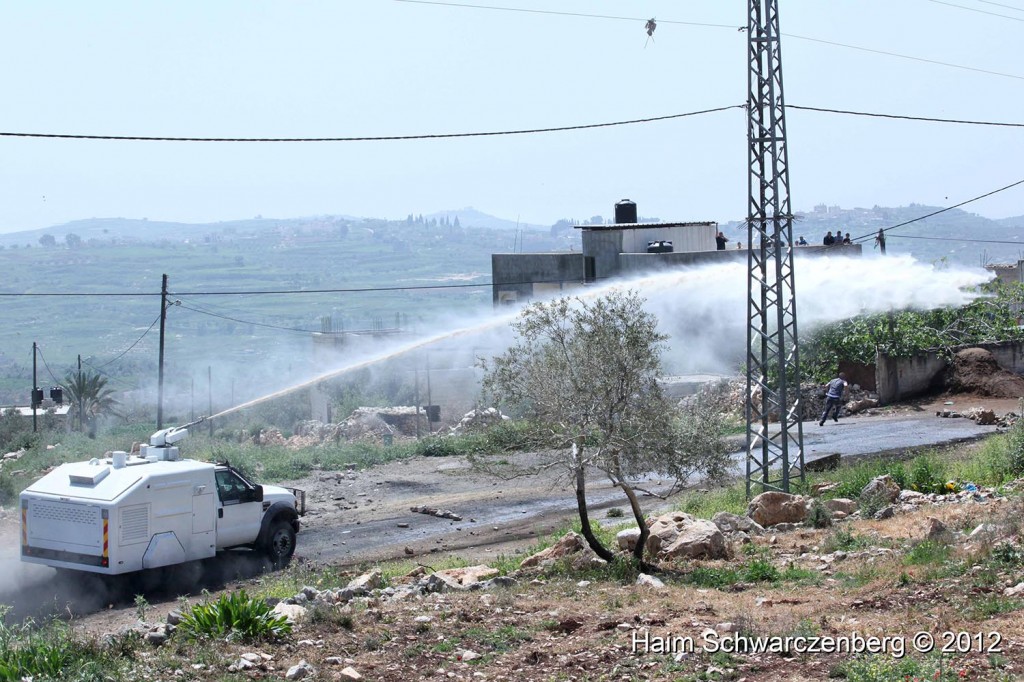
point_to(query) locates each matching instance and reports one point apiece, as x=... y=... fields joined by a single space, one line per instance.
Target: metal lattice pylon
x=774 y=456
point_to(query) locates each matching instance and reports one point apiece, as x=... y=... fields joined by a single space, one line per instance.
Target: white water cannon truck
x=125 y=512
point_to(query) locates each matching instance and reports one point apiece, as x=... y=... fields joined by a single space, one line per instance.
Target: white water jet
x=703 y=309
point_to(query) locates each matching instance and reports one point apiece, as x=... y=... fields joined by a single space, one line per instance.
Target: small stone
x=350 y=673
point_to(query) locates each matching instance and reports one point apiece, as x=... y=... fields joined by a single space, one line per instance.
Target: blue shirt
x=835 y=388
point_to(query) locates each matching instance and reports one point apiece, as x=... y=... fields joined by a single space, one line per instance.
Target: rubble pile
x=982 y=416
x=479 y=419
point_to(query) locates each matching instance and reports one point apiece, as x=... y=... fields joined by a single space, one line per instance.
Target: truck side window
x=230 y=487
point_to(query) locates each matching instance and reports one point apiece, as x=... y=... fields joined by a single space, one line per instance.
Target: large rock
x=699 y=539
x=570 y=543
x=734 y=523
x=841 y=504
x=881 y=487
x=293 y=612
x=770 y=508
x=468 y=574
x=367 y=581
x=627 y=539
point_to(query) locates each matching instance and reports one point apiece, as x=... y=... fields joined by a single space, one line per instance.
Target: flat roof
x=642 y=226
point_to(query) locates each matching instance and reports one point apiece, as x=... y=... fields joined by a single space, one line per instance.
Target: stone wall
x=900 y=378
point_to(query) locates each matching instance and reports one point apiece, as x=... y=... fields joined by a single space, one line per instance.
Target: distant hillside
x=125 y=230
x=956 y=236
x=470 y=217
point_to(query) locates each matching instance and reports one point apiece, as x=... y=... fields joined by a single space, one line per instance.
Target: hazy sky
x=340 y=68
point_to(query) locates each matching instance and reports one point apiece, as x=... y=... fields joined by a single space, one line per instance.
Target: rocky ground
x=950 y=566
x=551 y=623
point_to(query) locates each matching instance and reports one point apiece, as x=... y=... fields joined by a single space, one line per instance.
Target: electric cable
x=728 y=26
x=941 y=210
x=961 y=239
x=563 y=14
x=974 y=9
x=904 y=117
x=999 y=4
x=379 y=138
x=256 y=324
x=39 y=350
x=122 y=354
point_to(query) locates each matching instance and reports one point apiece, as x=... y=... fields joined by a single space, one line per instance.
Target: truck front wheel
x=280 y=543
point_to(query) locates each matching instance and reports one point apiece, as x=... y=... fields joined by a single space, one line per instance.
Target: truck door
x=239 y=512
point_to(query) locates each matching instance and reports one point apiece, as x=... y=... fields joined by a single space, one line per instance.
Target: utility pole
x=773 y=362
x=81 y=405
x=160 y=380
x=35 y=388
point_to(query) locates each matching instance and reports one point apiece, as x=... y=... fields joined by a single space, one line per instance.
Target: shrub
x=927 y=475
x=437 y=446
x=236 y=616
x=50 y=652
x=819 y=515
x=1015 y=441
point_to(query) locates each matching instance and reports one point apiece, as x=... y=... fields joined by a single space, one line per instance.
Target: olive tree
x=583 y=375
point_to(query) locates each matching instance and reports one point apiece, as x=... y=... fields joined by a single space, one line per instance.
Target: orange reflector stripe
x=106 y=538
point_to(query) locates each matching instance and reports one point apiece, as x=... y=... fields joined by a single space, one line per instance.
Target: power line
x=379 y=138
x=256 y=324
x=122 y=354
x=942 y=210
x=961 y=239
x=566 y=14
x=905 y=117
x=999 y=4
x=849 y=112
x=668 y=21
x=974 y=9
x=40 y=351
x=903 y=56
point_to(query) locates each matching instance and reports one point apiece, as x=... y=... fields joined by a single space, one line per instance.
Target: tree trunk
x=641 y=522
x=581 y=505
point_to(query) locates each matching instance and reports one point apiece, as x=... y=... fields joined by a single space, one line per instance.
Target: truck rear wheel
x=280 y=543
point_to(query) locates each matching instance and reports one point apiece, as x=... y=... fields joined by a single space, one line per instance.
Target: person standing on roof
x=833 y=398
x=720 y=240
x=880 y=240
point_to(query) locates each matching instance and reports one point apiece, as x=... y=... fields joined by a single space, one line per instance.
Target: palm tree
x=89 y=393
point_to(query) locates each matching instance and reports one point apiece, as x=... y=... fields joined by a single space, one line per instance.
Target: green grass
x=704 y=505
x=928 y=553
x=53 y=652
x=235 y=616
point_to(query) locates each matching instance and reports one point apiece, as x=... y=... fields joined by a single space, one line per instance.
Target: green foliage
x=760 y=570
x=928 y=552
x=843 y=539
x=819 y=515
x=235 y=616
x=705 y=505
x=852 y=479
x=886 y=668
x=1015 y=447
x=90 y=398
x=8 y=490
x=928 y=474
x=50 y=652
x=439 y=446
x=1008 y=554
x=906 y=333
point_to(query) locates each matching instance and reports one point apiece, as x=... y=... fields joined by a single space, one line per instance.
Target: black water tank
x=625 y=212
x=433 y=412
x=57 y=395
x=37 y=397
